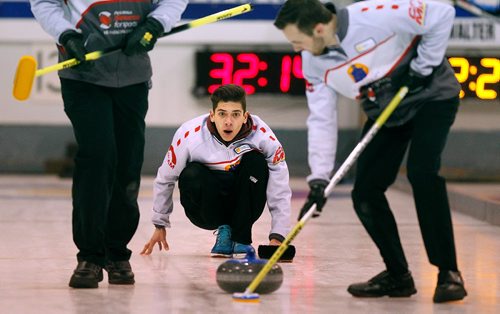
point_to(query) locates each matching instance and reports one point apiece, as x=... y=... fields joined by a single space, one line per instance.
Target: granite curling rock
x=235 y=275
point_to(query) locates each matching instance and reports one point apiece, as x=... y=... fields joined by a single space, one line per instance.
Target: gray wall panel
x=28 y=149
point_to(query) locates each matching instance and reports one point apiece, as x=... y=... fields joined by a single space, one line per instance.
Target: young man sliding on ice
x=228 y=164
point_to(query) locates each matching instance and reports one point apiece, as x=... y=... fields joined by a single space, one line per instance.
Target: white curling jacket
x=193 y=141
x=377 y=39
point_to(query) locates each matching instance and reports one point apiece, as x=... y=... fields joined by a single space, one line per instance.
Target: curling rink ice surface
x=37 y=257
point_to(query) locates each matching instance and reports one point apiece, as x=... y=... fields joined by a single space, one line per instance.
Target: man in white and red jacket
x=228 y=164
x=368 y=50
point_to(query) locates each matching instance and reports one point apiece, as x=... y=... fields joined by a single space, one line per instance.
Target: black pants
x=377 y=169
x=237 y=198
x=108 y=124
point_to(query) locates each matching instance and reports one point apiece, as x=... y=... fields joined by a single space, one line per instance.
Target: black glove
x=378 y=87
x=143 y=38
x=415 y=82
x=316 y=196
x=73 y=44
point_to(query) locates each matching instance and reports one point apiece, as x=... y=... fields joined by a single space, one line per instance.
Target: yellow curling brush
x=26 y=68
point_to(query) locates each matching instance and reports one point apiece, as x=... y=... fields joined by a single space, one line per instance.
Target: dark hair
x=229 y=92
x=305 y=14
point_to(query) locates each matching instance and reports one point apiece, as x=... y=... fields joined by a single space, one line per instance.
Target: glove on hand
x=379 y=87
x=316 y=196
x=143 y=38
x=415 y=82
x=73 y=44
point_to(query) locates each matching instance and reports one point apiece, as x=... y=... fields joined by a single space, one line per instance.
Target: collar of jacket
x=244 y=132
x=341 y=31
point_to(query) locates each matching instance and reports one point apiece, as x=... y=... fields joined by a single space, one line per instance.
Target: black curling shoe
x=384 y=284
x=86 y=275
x=120 y=273
x=450 y=287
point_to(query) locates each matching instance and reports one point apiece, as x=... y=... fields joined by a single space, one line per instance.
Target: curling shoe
x=384 y=284
x=450 y=287
x=223 y=244
x=86 y=275
x=240 y=250
x=120 y=273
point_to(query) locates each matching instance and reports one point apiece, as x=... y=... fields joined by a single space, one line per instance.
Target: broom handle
x=72 y=62
x=219 y=16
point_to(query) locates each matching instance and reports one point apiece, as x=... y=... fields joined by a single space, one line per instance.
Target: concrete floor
x=37 y=257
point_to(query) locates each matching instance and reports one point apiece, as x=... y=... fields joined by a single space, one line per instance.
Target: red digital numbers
x=250 y=72
x=290 y=67
x=225 y=73
x=270 y=73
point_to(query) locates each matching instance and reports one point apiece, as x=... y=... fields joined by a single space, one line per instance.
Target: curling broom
x=249 y=294
x=26 y=68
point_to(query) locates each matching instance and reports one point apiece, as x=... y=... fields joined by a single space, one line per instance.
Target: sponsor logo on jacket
x=417 y=11
x=365 y=45
x=232 y=167
x=242 y=149
x=105 y=20
x=124 y=19
x=279 y=155
x=171 y=158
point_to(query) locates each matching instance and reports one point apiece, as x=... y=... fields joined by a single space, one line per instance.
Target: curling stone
x=235 y=275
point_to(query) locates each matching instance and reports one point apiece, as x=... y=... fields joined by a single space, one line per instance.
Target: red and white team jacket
x=377 y=39
x=194 y=142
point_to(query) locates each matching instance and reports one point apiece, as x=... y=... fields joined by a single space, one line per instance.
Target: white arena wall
x=36 y=131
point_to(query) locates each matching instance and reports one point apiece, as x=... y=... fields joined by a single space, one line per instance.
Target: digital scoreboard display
x=257 y=72
x=270 y=72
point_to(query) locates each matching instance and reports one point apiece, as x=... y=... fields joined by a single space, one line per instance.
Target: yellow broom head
x=25 y=75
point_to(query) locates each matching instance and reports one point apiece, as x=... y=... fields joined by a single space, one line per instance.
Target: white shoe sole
x=220 y=255
x=239 y=255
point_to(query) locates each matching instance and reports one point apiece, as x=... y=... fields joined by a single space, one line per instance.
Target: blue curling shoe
x=223 y=244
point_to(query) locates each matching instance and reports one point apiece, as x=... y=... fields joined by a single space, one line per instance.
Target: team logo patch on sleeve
x=417 y=11
x=279 y=155
x=171 y=158
x=357 y=71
